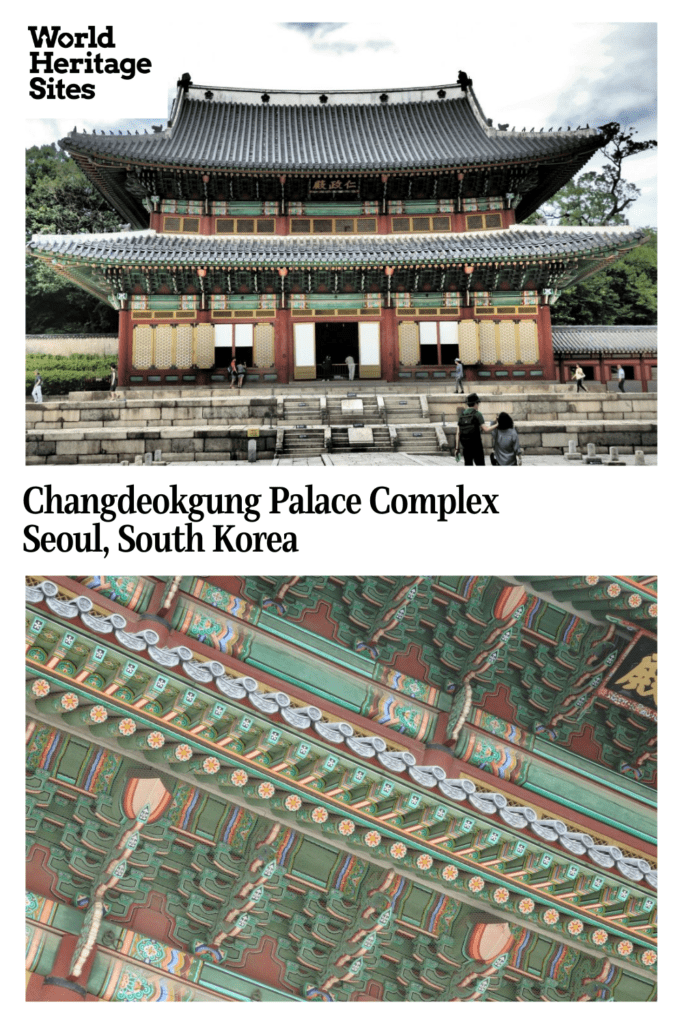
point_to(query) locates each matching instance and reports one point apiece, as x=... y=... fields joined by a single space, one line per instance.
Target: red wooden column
x=125 y=346
x=545 y=343
x=283 y=355
x=388 y=332
x=58 y=987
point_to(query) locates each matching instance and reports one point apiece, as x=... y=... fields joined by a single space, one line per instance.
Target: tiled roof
x=575 y=339
x=411 y=129
x=515 y=243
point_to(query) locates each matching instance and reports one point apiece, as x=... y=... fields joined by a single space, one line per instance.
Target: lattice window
x=182 y=225
x=528 y=341
x=408 y=343
x=163 y=346
x=420 y=224
x=203 y=346
x=468 y=341
x=264 y=345
x=183 y=346
x=508 y=344
x=487 y=341
x=143 y=347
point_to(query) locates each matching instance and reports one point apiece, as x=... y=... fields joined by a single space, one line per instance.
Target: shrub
x=62 y=374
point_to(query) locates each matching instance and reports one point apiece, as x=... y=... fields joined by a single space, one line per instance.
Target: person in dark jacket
x=470 y=426
x=506 y=449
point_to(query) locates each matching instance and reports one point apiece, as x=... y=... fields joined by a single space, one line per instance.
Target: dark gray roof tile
x=578 y=339
x=238 y=132
x=516 y=242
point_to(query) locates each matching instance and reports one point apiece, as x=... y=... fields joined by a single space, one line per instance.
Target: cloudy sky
x=538 y=73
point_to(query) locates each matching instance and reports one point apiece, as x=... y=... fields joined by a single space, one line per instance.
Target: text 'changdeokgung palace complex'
x=283 y=228
x=405 y=788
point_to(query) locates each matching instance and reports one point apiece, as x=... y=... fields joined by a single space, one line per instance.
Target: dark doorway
x=222 y=356
x=336 y=340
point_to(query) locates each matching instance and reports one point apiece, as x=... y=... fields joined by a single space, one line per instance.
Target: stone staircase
x=405 y=408
x=303 y=444
x=343 y=411
x=340 y=441
x=302 y=409
x=417 y=439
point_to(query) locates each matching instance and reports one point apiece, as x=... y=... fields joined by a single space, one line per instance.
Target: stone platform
x=217 y=425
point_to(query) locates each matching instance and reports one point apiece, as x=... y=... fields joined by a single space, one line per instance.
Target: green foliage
x=625 y=292
x=62 y=374
x=60 y=200
x=599 y=197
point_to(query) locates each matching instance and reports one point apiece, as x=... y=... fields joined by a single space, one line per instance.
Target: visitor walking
x=579 y=376
x=241 y=370
x=113 y=382
x=37 y=392
x=327 y=367
x=506 y=449
x=621 y=377
x=232 y=370
x=459 y=374
x=351 y=363
x=470 y=426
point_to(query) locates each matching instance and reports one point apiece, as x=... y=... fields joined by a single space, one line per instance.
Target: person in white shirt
x=621 y=377
x=351 y=363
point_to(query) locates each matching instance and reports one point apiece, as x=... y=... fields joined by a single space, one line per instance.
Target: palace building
x=295 y=230
x=320 y=788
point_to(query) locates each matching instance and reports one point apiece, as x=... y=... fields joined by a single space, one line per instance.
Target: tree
x=60 y=200
x=599 y=197
x=625 y=292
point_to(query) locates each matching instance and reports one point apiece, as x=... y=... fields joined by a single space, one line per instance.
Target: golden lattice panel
x=528 y=341
x=264 y=345
x=468 y=342
x=163 y=346
x=487 y=342
x=183 y=346
x=203 y=346
x=409 y=343
x=143 y=343
x=508 y=345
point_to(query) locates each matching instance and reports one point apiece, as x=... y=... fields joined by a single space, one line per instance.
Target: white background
x=555 y=520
